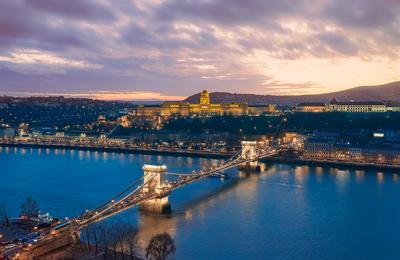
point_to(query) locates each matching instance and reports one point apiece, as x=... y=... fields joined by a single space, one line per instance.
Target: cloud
x=184 y=46
x=105 y=95
x=86 y=10
x=39 y=62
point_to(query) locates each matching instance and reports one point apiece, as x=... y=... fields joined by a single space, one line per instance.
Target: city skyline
x=167 y=50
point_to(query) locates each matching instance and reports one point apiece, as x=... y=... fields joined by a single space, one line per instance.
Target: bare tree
x=30 y=210
x=4 y=215
x=94 y=231
x=91 y=234
x=104 y=237
x=131 y=240
x=114 y=236
x=87 y=235
x=121 y=229
x=161 y=246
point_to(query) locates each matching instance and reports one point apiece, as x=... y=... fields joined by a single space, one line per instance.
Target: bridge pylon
x=249 y=152
x=156 y=180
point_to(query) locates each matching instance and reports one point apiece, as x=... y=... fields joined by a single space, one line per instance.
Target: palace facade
x=203 y=108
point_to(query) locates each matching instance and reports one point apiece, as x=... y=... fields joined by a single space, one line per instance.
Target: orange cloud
x=107 y=95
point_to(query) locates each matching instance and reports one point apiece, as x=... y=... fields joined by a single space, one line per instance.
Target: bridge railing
x=91 y=216
x=129 y=198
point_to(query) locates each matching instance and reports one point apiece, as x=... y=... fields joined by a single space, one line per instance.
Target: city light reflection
x=360 y=176
x=380 y=177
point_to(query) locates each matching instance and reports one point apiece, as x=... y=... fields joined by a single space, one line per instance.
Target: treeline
x=247 y=125
x=121 y=239
x=117 y=240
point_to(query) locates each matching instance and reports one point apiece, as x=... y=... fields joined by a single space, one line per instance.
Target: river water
x=288 y=211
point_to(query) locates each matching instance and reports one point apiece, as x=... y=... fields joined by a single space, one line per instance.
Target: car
x=9 y=246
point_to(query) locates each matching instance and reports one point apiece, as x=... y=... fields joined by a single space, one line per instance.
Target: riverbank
x=200 y=154
x=129 y=150
x=338 y=164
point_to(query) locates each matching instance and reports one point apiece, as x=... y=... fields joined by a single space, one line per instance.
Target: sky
x=169 y=49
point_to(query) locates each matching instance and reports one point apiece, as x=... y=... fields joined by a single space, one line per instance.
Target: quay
x=197 y=153
x=124 y=149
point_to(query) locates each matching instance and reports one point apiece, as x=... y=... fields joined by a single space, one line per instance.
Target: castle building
x=203 y=108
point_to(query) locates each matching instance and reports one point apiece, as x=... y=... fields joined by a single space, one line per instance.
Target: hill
x=387 y=92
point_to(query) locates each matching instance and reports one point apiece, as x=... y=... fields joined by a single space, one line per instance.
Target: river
x=287 y=211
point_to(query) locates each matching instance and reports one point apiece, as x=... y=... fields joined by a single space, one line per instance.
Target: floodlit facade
x=353 y=106
x=312 y=107
x=203 y=108
x=320 y=149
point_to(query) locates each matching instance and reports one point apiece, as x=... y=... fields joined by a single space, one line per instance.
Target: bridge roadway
x=129 y=198
x=138 y=196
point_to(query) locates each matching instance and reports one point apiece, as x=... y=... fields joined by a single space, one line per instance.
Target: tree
x=94 y=231
x=104 y=236
x=160 y=247
x=86 y=237
x=130 y=239
x=115 y=236
x=30 y=210
x=121 y=230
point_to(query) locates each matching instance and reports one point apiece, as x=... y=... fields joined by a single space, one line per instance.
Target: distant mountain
x=387 y=92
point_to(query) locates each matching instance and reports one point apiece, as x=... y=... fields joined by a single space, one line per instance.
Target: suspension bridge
x=150 y=192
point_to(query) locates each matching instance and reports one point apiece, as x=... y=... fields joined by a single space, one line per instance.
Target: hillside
x=387 y=92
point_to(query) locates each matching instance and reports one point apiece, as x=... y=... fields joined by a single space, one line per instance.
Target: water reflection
x=320 y=173
x=380 y=177
x=360 y=176
x=300 y=174
x=151 y=224
x=243 y=188
x=253 y=212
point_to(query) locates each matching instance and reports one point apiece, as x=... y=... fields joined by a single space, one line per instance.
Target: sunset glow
x=169 y=49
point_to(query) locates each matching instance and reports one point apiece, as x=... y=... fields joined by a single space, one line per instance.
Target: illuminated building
x=392 y=106
x=354 y=106
x=261 y=109
x=170 y=108
x=203 y=108
x=312 y=107
x=328 y=149
x=125 y=121
x=148 y=110
x=23 y=129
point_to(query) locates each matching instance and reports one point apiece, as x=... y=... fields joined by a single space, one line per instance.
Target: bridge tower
x=154 y=176
x=249 y=151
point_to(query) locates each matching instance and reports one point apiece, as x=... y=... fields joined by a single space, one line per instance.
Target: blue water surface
x=287 y=211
